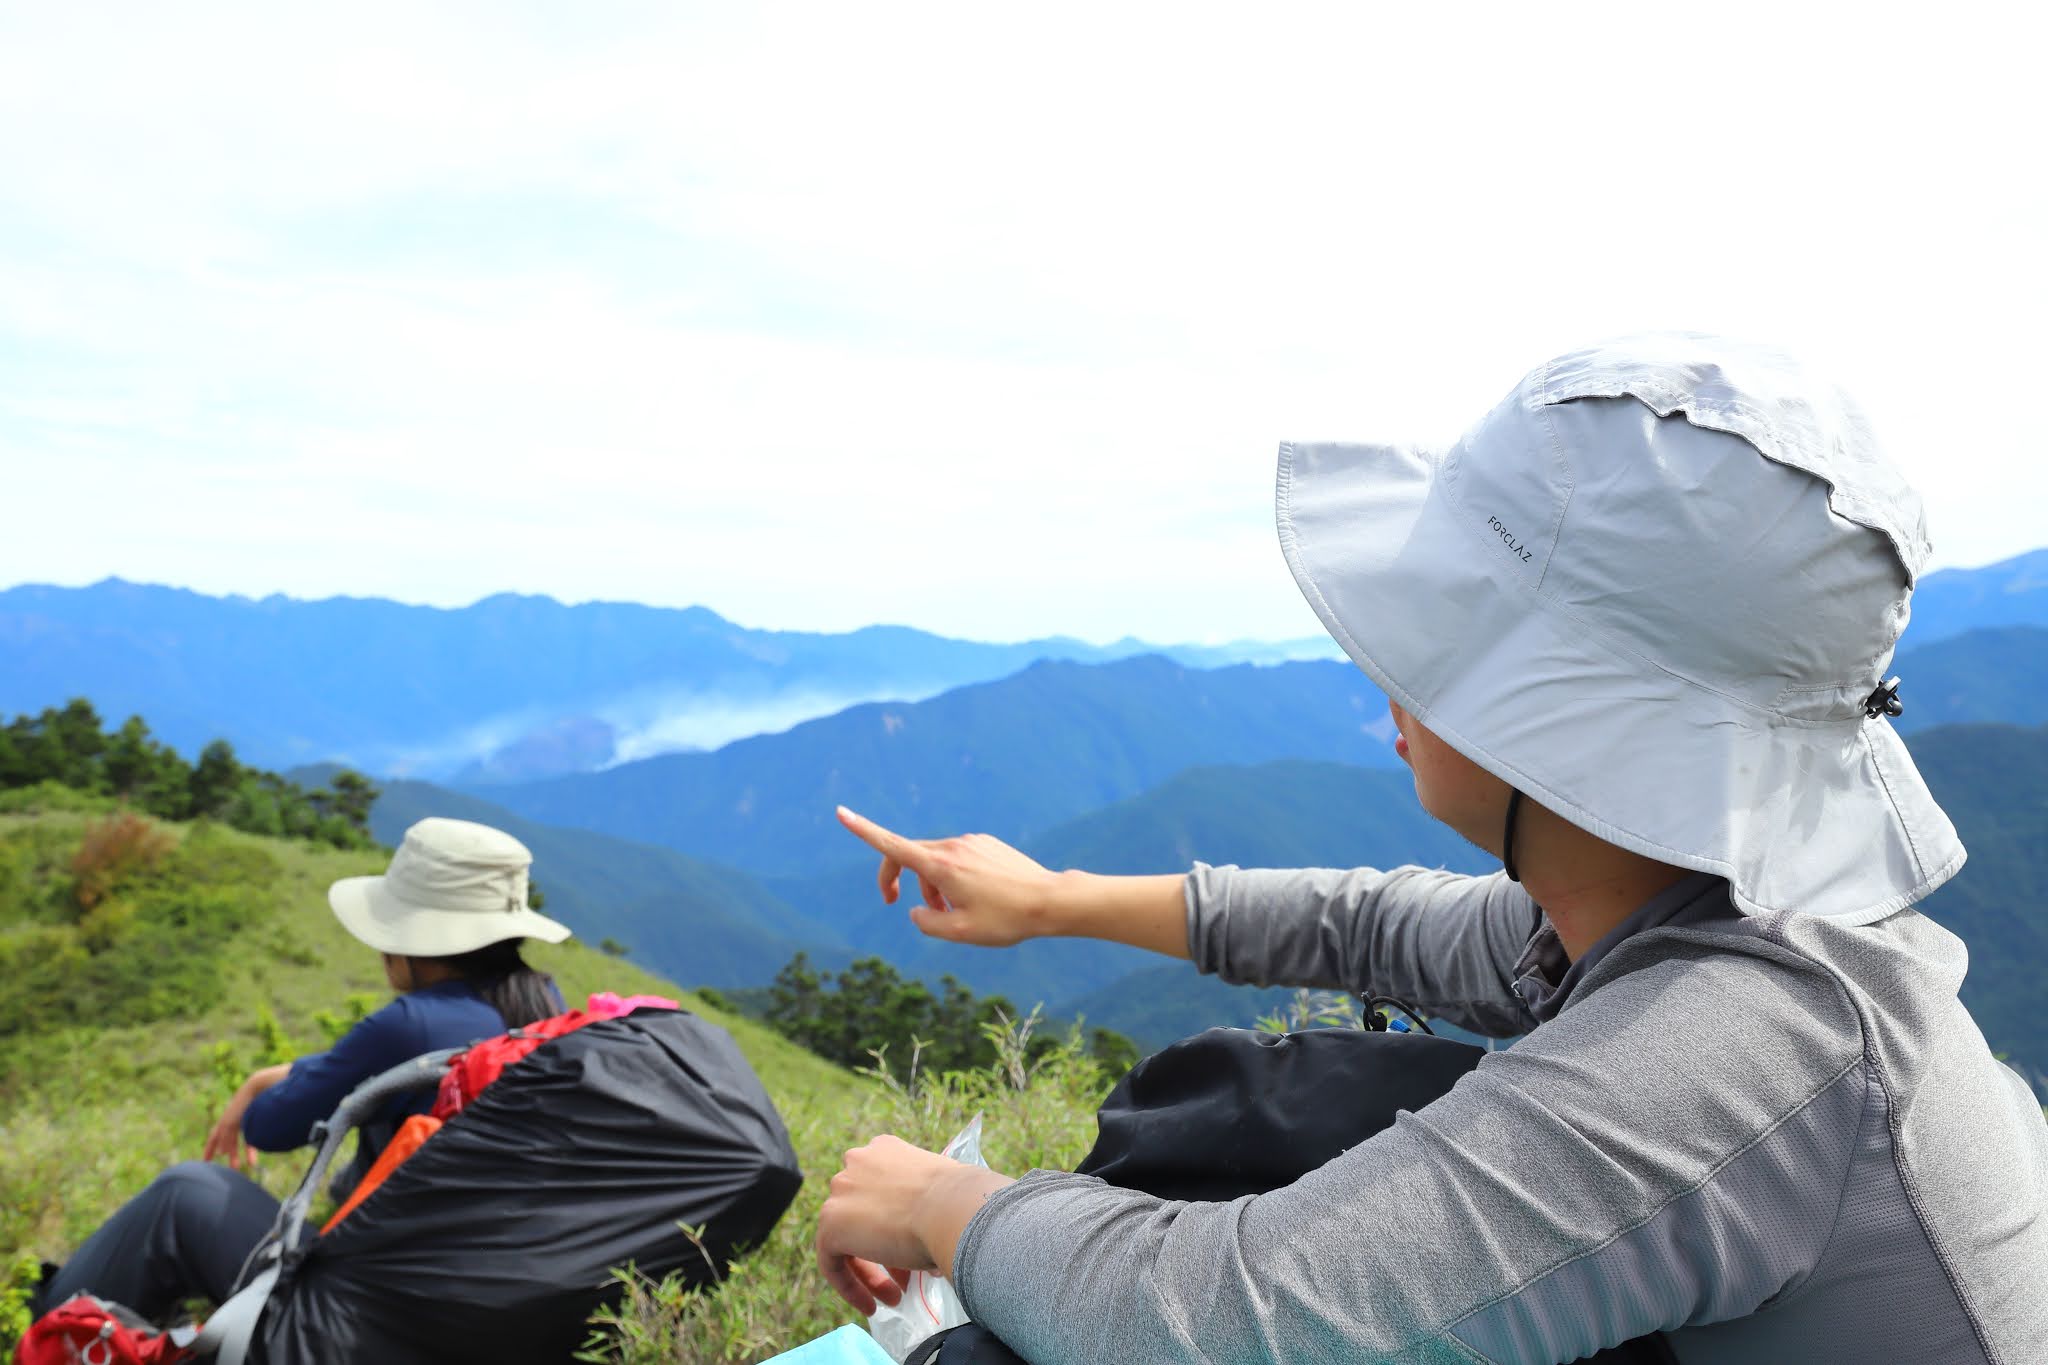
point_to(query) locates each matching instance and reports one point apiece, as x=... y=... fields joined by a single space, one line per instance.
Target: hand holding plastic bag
x=929 y=1304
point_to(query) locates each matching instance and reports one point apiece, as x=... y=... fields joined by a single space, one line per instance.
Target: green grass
x=91 y=1111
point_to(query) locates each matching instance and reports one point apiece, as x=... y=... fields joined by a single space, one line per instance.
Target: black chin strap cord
x=1507 y=842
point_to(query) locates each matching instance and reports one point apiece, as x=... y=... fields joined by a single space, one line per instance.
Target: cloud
x=685 y=721
x=988 y=324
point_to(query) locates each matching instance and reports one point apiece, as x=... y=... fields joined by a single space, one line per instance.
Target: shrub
x=115 y=851
x=40 y=965
x=101 y=928
x=50 y=795
x=18 y=1281
x=210 y=857
x=358 y=1007
x=1313 y=1009
x=870 y=1010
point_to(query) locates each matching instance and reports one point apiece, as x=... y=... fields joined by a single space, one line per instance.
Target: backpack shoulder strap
x=228 y=1332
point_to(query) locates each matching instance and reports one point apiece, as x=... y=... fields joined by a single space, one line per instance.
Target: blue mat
x=847 y=1346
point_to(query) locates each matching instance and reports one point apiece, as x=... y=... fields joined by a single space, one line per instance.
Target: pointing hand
x=977 y=889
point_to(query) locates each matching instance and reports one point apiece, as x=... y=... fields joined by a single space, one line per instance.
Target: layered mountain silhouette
x=512 y=686
x=1988 y=674
x=1019 y=756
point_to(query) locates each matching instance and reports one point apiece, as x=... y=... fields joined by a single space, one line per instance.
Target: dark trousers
x=184 y=1237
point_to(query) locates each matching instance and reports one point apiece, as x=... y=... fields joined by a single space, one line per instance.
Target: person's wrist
x=948 y=1204
x=1059 y=910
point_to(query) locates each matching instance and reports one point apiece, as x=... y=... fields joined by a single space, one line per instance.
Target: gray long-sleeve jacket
x=1775 y=1138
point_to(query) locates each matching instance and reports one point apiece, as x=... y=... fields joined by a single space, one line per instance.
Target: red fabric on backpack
x=470 y=1073
x=84 y=1330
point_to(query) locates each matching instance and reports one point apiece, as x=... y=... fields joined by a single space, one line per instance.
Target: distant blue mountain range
x=511 y=687
x=1991 y=674
x=516 y=688
x=2012 y=592
x=1020 y=755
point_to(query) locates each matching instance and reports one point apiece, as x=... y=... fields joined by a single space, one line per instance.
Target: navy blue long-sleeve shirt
x=447 y=1014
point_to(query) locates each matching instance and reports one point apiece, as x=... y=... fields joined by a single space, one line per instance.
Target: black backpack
x=495 y=1242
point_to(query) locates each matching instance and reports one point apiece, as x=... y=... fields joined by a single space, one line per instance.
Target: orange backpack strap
x=411 y=1135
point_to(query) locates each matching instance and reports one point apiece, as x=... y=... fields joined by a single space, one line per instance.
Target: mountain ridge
x=1020 y=754
x=402 y=690
x=406 y=690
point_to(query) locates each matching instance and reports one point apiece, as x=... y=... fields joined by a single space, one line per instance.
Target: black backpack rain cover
x=496 y=1240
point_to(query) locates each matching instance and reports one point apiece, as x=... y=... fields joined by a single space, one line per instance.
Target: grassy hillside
x=126 y=1032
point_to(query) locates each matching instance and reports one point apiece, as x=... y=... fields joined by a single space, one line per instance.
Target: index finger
x=886 y=842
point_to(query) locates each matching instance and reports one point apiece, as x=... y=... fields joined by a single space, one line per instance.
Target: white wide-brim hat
x=1656 y=590
x=453 y=887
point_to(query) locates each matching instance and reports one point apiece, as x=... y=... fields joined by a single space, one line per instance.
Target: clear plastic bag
x=929 y=1303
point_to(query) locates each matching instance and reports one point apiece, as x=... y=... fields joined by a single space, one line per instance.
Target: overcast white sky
x=983 y=319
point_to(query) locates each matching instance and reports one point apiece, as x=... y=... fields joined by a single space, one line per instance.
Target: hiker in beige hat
x=448 y=917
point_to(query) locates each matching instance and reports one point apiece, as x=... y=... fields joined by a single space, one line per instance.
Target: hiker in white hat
x=1635 y=629
x=448 y=917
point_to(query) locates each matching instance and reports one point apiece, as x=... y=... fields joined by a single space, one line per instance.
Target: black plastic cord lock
x=1884 y=700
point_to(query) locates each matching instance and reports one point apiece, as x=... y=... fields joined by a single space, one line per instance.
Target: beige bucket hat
x=1657 y=589
x=453 y=887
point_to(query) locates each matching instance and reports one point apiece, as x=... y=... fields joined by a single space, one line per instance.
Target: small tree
x=214 y=779
x=354 y=795
x=76 y=743
x=130 y=759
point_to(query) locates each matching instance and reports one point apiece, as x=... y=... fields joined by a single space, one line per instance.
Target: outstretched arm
x=1447 y=944
x=979 y=890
